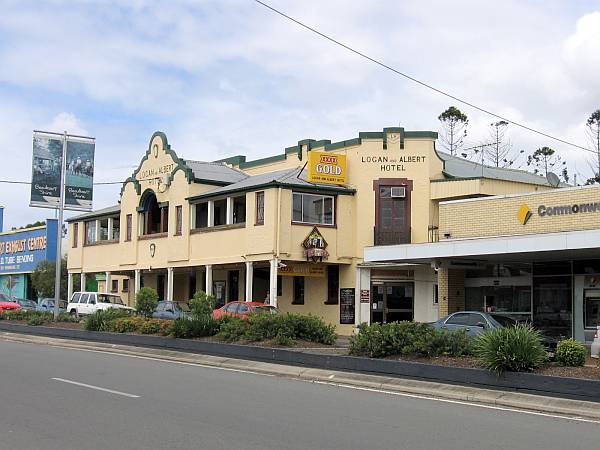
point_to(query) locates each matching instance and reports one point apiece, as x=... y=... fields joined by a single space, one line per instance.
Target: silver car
x=595 y=350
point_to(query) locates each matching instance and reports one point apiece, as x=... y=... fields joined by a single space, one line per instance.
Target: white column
x=82 y=283
x=137 y=282
x=208 y=279
x=97 y=230
x=110 y=228
x=192 y=217
x=229 y=218
x=169 y=283
x=211 y=214
x=69 y=287
x=249 y=278
x=273 y=282
x=107 y=283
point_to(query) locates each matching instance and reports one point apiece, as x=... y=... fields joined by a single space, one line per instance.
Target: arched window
x=154 y=218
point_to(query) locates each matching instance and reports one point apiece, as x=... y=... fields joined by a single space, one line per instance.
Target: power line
x=415 y=80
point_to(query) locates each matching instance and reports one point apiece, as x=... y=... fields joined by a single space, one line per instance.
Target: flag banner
x=46 y=169
x=79 y=173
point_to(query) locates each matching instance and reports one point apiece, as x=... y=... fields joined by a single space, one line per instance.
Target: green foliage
x=569 y=352
x=194 y=327
x=146 y=301
x=39 y=223
x=283 y=328
x=100 y=320
x=35 y=320
x=545 y=160
x=36 y=316
x=139 y=324
x=513 y=349
x=202 y=304
x=42 y=279
x=400 y=338
x=454 y=123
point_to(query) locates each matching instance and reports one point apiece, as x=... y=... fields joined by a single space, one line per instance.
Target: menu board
x=347 y=306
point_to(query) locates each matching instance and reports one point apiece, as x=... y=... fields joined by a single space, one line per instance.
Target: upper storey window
x=313 y=209
x=154 y=218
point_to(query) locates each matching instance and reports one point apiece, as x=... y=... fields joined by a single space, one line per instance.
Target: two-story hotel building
x=258 y=230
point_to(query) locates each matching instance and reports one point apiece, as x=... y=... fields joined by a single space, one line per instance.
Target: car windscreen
x=114 y=299
x=265 y=310
x=503 y=320
x=61 y=304
x=26 y=303
x=4 y=297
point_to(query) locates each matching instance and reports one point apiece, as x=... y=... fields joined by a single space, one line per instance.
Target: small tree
x=454 y=124
x=43 y=278
x=202 y=304
x=593 y=132
x=146 y=301
x=545 y=160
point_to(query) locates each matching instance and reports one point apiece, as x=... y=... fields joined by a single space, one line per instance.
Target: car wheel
x=73 y=313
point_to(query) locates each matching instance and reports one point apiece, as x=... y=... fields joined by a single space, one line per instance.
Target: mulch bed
x=69 y=325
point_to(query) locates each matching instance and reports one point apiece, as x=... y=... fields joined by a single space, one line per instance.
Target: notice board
x=347 y=306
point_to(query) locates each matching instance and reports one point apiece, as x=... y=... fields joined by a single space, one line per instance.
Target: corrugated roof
x=214 y=171
x=294 y=178
x=97 y=213
x=456 y=167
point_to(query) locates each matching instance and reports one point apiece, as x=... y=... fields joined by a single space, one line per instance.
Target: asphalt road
x=162 y=405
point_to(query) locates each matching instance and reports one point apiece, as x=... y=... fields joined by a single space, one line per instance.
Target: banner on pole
x=47 y=166
x=46 y=170
x=79 y=173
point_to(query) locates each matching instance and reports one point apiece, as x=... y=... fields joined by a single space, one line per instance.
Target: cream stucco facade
x=236 y=228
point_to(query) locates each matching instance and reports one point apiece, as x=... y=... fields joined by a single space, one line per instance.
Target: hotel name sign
x=524 y=213
x=392 y=163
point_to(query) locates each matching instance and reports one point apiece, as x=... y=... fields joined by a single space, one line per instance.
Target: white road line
x=98 y=388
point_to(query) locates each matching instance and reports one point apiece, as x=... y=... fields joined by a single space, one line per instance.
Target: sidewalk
x=424 y=389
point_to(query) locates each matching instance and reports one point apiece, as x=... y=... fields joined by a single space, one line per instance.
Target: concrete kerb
x=423 y=389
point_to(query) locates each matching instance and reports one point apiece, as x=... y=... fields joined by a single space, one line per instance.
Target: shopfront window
x=592 y=308
x=552 y=305
x=90 y=232
x=313 y=209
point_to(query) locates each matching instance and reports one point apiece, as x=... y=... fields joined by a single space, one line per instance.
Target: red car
x=242 y=309
x=9 y=306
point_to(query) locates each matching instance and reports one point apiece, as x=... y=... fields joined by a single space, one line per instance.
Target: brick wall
x=497 y=216
x=451 y=286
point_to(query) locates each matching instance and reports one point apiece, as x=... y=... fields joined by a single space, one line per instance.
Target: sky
x=229 y=77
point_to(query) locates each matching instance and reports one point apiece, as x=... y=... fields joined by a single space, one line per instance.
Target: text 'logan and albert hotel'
x=405 y=232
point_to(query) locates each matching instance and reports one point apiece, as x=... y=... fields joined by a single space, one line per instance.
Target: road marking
x=330 y=383
x=98 y=388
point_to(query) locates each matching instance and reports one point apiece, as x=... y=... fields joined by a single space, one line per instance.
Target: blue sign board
x=21 y=251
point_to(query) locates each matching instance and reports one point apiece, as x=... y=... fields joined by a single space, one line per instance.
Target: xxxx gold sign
x=328 y=168
x=302 y=270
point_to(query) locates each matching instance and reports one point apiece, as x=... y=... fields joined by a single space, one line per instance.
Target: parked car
x=9 y=306
x=4 y=297
x=243 y=309
x=595 y=349
x=170 y=310
x=473 y=322
x=47 y=304
x=83 y=303
x=26 y=304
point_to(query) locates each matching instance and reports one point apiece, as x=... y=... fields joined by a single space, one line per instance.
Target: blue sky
x=229 y=77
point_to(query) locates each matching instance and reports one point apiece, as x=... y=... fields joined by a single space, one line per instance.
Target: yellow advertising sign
x=302 y=270
x=325 y=167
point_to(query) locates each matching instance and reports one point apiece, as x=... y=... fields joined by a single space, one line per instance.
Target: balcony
x=391 y=237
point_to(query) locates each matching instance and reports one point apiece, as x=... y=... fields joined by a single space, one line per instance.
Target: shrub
x=399 y=338
x=66 y=317
x=284 y=329
x=202 y=304
x=569 y=352
x=146 y=301
x=100 y=320
x=231 y=329
x=125 y=324
x=514 y=349
x=35 y=320
x=194 y=327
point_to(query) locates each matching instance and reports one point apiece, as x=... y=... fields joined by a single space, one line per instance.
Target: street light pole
x=61 y=206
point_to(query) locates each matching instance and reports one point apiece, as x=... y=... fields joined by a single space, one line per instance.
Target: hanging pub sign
x=326 y=167
x=79 y=173
x=314 y=246
x=46 y=170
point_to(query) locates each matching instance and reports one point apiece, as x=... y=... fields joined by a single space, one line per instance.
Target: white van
x=83 y=303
